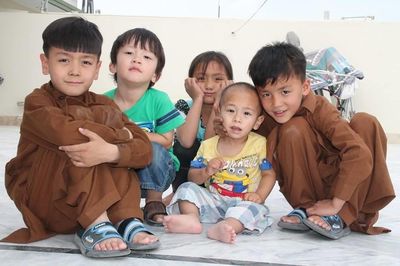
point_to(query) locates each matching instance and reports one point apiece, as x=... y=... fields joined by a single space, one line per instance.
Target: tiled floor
x=273 y=247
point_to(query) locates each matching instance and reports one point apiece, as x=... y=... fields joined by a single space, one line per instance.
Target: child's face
x=72 y=73
x=283 y=99
x=240 y=111
x=211 y=81
x=135 y=66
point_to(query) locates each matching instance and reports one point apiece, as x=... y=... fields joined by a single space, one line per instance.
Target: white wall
x=368 y=45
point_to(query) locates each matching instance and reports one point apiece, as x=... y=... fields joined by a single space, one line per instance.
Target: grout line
x=140 y=255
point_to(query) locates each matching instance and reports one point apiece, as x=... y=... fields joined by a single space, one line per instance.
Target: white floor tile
x=274 y=246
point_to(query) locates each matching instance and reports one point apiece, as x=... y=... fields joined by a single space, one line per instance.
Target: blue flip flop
x=302 y=215
x=87 y=239
x=338 y=227
x=129 y=228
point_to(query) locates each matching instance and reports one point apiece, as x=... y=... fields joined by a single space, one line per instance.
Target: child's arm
x=135 y=153
x=93 y=152
x=215 y=117
x=48 y=125
x=267 y=182
x=166 y=118
x=165 y=139
x=200 y=175
x=186 y=133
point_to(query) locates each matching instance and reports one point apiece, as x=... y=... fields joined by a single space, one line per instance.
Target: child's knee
x=162 y=163
x=160 y=153
x=363 y=120
x=189 y=186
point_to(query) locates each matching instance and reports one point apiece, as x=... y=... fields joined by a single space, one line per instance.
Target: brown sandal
x=151 y=209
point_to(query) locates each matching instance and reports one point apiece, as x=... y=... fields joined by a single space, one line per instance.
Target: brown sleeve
x=137 y=152
x=48 y=125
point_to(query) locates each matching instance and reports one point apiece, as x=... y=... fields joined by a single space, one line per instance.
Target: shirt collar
x=308 y=104
x=59 y=96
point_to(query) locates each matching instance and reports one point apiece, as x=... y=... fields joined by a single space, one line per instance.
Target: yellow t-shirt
x=241 y=173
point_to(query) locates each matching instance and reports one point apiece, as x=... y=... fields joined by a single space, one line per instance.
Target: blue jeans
x=160 y=173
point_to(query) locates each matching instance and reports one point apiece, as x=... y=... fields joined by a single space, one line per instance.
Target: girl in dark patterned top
x=209 y=73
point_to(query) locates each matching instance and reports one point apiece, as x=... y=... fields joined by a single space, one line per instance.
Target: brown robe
x=53 y=195
x=318 y=155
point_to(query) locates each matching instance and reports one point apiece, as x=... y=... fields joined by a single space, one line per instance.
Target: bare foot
x=111 y=244
x=290 y=219
x=107 y=244
x=168 y=199
x=144 y=238
x=182 y=223
x=319 y=221
x=222 y=231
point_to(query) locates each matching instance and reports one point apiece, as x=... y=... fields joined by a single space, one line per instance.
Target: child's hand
x=219 y=126
x=215 y=123
x=214 y=165
x=93 y=152
x=326 y=207
x=223 y=85
x=253 y=197
x=193 y=89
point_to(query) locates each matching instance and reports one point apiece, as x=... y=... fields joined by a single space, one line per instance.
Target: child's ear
x=112 y=68
x=45 y=64
x=97 y=70
x=306 y=87
x=259 y=121
x=155 y=78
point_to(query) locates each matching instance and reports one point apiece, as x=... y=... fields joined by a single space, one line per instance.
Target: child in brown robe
x=55 y=190
x=331 y=171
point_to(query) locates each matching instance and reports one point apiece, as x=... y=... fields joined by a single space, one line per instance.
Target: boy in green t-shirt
x=137 y=60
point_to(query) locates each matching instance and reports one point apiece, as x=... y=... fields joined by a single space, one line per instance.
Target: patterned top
x=241 y=173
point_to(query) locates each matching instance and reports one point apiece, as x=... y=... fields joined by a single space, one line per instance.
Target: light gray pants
x=214 y=207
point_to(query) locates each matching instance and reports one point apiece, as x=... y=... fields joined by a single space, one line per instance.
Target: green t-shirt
x=154 y=112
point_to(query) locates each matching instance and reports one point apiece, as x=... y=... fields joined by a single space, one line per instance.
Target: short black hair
x=73 y=34
x=246 y=86
x=143 y=37
x=205 y=58
x=275 y=61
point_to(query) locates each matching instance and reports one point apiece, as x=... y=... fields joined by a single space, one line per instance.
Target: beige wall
x=368 y=45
